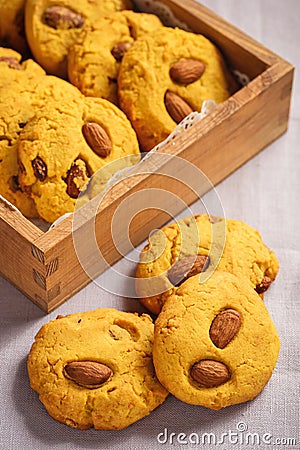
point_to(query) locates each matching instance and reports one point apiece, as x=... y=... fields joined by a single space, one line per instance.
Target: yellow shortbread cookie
x=53 y=27
x=95 y=369
x=24 y=89
x=93 y=63
x=223 y=245
x=215 y=344
x=58 y=153
x=148 y=82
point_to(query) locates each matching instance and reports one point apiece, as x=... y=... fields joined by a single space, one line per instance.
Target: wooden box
x=44 y=265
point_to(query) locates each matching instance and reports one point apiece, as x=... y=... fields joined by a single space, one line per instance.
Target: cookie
x=12 y=30
x=24 y=89
x=95 y=369
x=215 y=344
x=202 y=244
x=15 y=110
x=53 y=27
x=64 y=145
x=165 y=76
x=93 y=64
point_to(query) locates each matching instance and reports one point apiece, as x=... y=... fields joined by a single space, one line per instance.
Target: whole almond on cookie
x=97 y=138
x=87 y=373
x=62 y=18
x=187 y=71
x=224 y=327
x=210 y=373
x=177 y=108
x=187 y=267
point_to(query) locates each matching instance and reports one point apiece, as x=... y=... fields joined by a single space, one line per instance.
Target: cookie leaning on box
x=215 y=344
x=107 y=381
x=202 y=244
x=62 y=146
x=166 y=75
x=93 y=63
x=52 y=27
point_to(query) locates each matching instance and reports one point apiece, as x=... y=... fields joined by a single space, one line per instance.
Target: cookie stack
x=213 y=343
x=105 y=83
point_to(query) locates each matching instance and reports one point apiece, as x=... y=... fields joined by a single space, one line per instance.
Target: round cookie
x=63 y=146
x=63 y=367
x=215 y=344
x=148 y=81
x=12 y=30
x=201 y=244
x=52 y=27
x=93 y=64
x=24 y=89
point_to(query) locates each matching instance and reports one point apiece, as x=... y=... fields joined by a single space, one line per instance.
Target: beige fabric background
x=265 y=193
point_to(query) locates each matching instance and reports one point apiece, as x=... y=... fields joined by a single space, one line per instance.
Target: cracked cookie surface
x=231 y=245
x=182 y=341
x=93 y=64
x=122 y=342
x=56 y=159
x=144 y=79
x=52 y=27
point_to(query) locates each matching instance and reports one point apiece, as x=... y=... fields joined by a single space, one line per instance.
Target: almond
x=264 y=285
x=12 y=63
x=62 y=18
x=210 y=373
x=39 y=168
x=187 y=267
x=89 y=374
x=119 y=50
x=187 y=71
x=177 y=108
x=224 y=327
x=97 y=138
